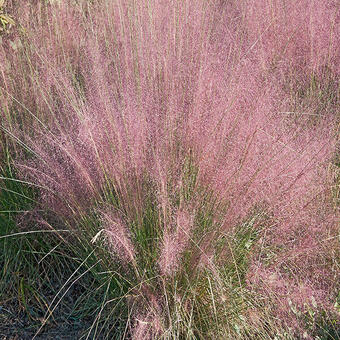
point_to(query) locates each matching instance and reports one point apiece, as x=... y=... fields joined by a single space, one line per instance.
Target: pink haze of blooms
x=131 y=93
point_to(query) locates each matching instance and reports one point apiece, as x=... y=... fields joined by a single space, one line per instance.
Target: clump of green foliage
x=6 y=21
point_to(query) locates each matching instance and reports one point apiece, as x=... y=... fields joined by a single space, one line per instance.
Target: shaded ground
x=16 y=325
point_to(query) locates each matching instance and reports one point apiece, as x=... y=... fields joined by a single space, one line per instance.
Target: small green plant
x=6 y=21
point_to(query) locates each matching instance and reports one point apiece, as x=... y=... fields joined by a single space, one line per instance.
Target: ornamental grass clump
x=167 y=137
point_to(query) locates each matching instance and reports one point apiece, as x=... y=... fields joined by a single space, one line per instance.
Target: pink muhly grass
x=147 y=328
x=117 y=237
x=290 y=299
x=302 y=33
x=175 y=242
x=147 y=321
x=127 y=95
